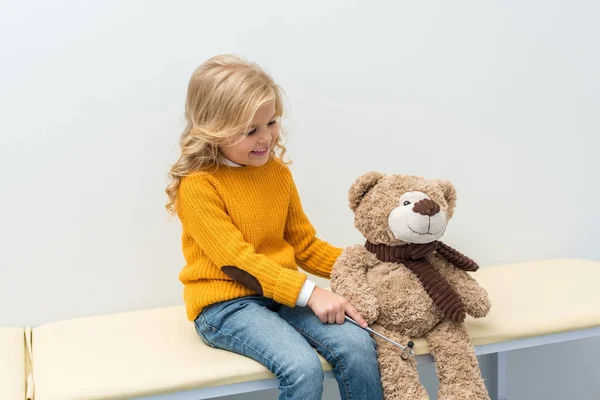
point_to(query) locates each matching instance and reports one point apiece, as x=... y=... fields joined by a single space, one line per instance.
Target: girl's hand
x=332 y=308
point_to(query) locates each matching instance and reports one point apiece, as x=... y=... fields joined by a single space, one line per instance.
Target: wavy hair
x=223 y=95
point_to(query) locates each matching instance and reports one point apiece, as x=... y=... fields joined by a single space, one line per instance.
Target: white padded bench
x=156 y=354
x=12 y=364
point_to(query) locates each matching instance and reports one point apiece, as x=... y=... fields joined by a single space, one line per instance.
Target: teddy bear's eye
x=406 y=202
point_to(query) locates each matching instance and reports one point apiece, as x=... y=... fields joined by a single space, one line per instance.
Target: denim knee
x=304 y=377
x=359 y=351
x=309 y=368
x=358 y=367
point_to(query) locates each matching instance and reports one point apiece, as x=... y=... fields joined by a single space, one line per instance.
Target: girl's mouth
x=260 y=152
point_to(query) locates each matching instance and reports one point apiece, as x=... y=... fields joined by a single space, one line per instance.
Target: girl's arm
x=203 y=213
x=312 y=254
x=317 y=257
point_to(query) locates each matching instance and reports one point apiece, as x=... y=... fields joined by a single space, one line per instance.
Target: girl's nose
x=265 y=136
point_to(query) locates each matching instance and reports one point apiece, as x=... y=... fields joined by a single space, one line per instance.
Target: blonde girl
x=245 y=235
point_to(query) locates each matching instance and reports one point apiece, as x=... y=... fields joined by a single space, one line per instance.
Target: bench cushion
x=534 y=299
x=158 y=351
x=12 y=363
x=132 y=354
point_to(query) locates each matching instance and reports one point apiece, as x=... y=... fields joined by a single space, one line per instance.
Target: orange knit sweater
x=245 y=233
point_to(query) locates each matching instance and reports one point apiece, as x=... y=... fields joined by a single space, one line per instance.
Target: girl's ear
x=361 y=187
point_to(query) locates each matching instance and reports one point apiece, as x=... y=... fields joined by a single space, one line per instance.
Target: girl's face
x=254 y=149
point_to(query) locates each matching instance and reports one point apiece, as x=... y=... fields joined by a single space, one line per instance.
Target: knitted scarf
x=416 y=258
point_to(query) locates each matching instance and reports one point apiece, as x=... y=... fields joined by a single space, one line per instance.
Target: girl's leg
x=249 y=327
x=349 y=349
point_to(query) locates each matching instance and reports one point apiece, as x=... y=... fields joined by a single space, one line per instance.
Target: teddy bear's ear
x=361 y=187
x=449 y=194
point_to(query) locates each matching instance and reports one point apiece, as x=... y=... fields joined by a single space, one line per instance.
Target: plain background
x=501 y=98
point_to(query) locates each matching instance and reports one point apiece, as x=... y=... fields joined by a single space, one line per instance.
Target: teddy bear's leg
x=399 y=378
x=456 y=363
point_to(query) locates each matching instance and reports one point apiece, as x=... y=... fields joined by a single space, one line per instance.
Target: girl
x=245 y=233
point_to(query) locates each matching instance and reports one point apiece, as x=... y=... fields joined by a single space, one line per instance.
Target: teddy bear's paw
x=480 y=308
x=463 y=391
x=370 y=315
x=367 y=310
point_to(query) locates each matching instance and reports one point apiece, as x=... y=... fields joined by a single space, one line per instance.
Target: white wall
x=500 y=98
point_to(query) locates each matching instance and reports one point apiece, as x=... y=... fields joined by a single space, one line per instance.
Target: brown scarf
x=414 y=257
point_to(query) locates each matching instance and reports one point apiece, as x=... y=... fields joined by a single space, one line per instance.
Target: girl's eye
x=253 y=131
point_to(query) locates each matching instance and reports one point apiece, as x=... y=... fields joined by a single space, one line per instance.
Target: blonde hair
x=223 y=95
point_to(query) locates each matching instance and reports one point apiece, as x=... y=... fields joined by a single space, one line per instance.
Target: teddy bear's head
x=398 y=209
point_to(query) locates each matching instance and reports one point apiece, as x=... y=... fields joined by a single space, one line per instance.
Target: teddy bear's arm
x=349 y=280
x=474 y=296
x=476 y=300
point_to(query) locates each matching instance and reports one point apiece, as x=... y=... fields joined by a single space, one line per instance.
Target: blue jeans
x=282 y=339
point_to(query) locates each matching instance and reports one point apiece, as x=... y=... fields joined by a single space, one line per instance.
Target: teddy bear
x=406 y=283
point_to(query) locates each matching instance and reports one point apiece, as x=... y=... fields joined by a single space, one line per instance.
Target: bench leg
x=501 y=376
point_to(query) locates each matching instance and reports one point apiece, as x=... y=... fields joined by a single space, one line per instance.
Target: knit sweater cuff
x=287 y=289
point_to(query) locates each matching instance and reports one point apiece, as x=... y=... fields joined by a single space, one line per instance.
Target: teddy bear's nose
x=426 y=207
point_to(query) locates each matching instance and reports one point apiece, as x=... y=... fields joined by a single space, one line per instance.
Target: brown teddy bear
x=407 y=284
